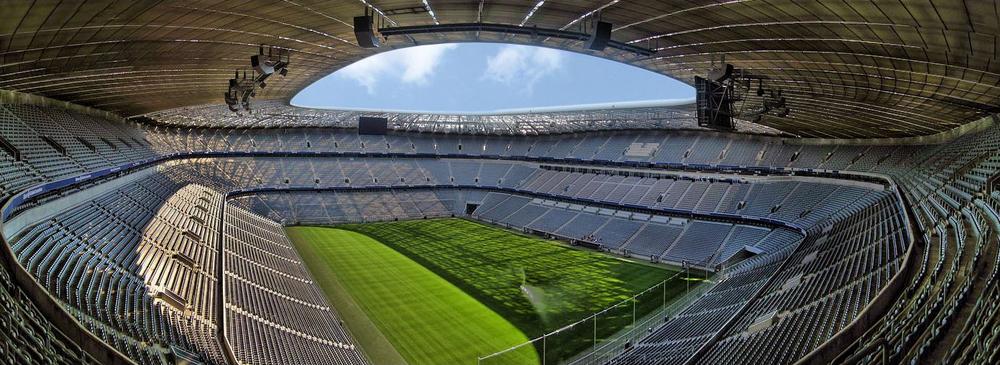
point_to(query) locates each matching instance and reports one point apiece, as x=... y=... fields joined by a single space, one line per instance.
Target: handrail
x=833 y=347
x=10 y=149
x=638 y=331
x=729 y=218
x=969 y=165
x=88 y=177
x=743 y=308
x=220 y=292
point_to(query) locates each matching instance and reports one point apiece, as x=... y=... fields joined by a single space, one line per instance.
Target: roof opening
x=485 y=77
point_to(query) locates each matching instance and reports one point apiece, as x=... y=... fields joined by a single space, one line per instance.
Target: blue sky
x=478 y=77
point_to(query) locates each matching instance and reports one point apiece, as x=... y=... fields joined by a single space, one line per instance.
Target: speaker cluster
x=374 y=29
x=366 y=33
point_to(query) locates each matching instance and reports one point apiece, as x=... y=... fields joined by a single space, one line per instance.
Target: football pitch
x=444 y=291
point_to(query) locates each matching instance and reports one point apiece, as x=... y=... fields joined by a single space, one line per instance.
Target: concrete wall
x=54 y=313
x=938 y=138
x=50 y=208
x=14 y=97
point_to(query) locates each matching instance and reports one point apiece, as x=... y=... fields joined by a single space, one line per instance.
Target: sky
x=482 y=77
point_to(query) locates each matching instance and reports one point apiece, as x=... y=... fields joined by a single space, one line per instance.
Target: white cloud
x=413 y=65
x=421 y=62
x=522 y=65
x=364 y=72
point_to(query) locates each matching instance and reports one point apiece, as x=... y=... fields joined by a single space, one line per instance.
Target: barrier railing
x=605 y=334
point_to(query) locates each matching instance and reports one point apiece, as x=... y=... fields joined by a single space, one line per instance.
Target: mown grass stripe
x=534 y=285
x=426 y=318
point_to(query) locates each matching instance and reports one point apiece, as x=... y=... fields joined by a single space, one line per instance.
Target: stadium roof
x=848 y=69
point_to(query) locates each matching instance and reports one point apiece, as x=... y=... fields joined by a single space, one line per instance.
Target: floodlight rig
x=267 y=65
x=743 y=100
x=772 y=102
x=243 y=89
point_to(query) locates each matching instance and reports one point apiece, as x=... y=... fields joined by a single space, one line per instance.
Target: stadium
x=831 y=194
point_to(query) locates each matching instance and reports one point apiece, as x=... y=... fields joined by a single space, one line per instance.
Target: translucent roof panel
x=847 y=68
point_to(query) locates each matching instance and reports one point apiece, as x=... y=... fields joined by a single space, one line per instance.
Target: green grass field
x=443 y=291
